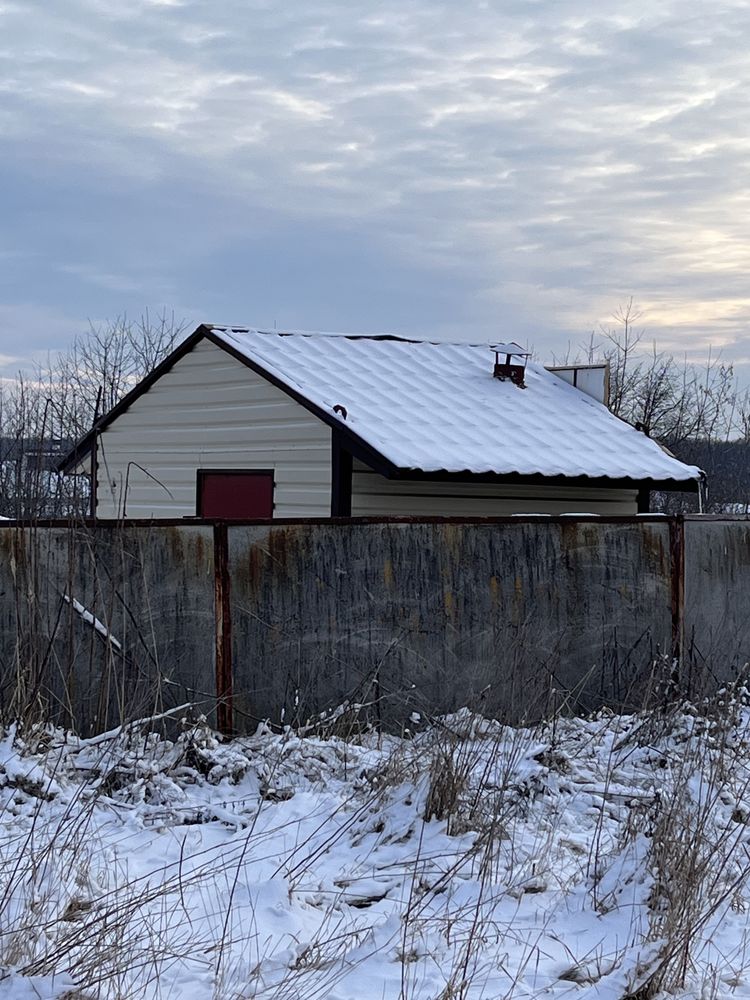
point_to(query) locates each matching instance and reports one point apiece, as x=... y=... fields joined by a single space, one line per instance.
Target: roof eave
x=689 y=485
x=357 y=445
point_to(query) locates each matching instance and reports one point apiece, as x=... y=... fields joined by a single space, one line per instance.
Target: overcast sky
x=494 y=170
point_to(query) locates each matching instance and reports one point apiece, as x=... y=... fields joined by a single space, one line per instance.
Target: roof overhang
x=537 y=479
x=348 y=438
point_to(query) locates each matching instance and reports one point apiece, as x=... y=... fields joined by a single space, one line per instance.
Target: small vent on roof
x=514 y=365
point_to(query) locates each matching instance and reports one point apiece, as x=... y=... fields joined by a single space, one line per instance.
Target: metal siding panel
x=592 y=381
x=447 y=507
x=373 y=494
x=210 y=411
x=566 y=374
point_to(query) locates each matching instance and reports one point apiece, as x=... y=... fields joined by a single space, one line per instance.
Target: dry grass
x=497 y=793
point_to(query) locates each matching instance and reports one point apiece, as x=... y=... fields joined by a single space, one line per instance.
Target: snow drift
x=599 y=858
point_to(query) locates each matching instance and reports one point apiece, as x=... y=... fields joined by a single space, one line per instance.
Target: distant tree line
x=699 y=412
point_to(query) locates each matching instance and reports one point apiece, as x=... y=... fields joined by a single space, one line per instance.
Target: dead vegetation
x=466 y=860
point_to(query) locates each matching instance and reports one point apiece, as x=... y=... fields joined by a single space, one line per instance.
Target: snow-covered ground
x=603 y=858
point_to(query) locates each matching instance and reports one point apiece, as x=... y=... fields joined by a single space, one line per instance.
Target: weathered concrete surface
x=513 y=618
x=509 y=618
x=152 y=590
x=717 y=601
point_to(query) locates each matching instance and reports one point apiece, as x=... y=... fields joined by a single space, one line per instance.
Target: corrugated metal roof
x=436 y=407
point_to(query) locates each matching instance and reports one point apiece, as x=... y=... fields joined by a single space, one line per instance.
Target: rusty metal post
x=223 y=613
x=677 y=572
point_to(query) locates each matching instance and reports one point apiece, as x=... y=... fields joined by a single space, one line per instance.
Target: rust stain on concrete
x=449 y=603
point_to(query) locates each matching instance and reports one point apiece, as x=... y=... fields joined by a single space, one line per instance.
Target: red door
x=235 y=494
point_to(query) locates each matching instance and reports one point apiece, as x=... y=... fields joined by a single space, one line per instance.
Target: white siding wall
x=373 y=494
x=211 y=412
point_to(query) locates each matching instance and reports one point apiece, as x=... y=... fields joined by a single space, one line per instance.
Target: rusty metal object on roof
x=510 y=369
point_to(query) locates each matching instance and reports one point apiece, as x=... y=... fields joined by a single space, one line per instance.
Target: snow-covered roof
x=435 y=407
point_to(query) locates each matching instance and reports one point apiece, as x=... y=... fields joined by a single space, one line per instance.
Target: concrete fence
x=282 y=620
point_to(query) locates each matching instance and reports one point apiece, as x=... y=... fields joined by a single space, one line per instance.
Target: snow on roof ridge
x=226 y=328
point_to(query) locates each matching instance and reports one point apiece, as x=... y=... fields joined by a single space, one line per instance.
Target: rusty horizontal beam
x=178 y=522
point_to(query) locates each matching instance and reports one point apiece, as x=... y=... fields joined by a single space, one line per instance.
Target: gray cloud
x=425 y=166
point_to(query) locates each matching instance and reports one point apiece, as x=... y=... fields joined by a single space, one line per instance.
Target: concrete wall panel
x=717 y=601
x=513 y=617
x=151 y=588
x=508 y=618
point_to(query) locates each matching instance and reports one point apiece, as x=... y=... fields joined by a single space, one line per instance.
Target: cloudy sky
x=513 y=168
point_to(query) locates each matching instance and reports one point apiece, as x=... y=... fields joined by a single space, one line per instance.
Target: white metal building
x=243 y=423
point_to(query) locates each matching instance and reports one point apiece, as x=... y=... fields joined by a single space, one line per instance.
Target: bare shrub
x=470 y=859
x=699 y=866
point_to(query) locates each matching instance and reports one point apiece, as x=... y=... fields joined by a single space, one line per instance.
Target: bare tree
x=620 y=345
x=106 y=362
x=696 y=411
x=42 y=414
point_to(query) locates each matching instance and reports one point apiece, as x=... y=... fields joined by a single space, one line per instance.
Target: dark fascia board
x=356 y=445
x=517 y=479
x=128 y=524
x=86 y=443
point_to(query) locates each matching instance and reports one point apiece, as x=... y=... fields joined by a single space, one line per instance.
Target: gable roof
x=435 y=408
